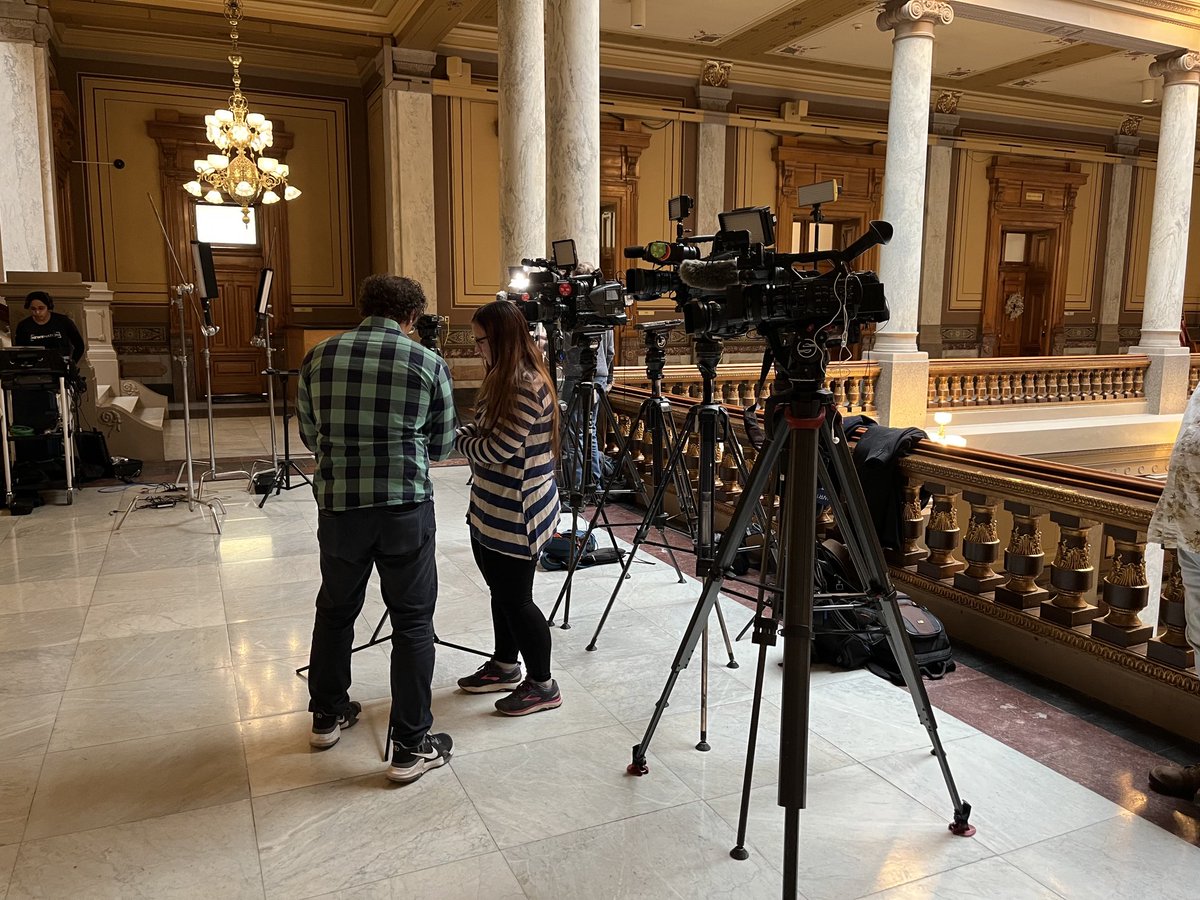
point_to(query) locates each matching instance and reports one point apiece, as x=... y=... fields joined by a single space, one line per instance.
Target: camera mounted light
x=518 y=278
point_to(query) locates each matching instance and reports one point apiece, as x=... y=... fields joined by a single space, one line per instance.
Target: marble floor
x=153 y=743
x=233 y=436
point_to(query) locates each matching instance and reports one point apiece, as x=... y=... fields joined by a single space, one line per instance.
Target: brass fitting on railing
x=981 y=546
x=1125 y=590
x=941 y=535
x=1024 y=559
x=1171 y=646
x=1071 y=573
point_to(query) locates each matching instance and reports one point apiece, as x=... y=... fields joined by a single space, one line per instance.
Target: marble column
x=1167 y=377
x=902 y=389
x=573 y=106
x=1116 y=245
x=522 y=71
x=937 y=227
x=710 y=148
x=28 y=229
x=408 y=166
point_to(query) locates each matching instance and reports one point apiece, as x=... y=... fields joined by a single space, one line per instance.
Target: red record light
x=565 y=289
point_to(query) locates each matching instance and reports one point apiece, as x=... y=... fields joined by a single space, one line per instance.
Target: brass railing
x=1054 y=552
x=955 y=383
x=852 y=383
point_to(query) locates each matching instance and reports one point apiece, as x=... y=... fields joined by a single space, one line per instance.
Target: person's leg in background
x=345 y=540
x=503 y=671
x=572 y=436
x=1184 y=781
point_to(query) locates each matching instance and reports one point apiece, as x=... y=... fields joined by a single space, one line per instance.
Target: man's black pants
x=399 y=542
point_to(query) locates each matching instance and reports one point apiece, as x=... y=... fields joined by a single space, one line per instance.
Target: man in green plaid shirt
x=376 y=407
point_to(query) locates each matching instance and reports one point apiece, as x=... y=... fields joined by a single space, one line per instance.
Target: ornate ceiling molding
x=1178 y=67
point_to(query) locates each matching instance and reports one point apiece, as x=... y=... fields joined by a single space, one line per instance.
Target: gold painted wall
x=755 y=177
x=474 y=202
x=1087 y=231
x=660 y=172
x=378 y=197
x=126 y=249
x=969 y=232
x=1139 y=245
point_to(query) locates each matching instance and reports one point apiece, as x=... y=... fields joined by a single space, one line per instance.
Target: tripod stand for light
x=208 y=330
x=283 y=467
x=807 y=445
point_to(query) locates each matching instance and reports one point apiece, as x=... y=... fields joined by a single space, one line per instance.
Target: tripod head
x=655 y=334
x=587 y=340
x=709 y=351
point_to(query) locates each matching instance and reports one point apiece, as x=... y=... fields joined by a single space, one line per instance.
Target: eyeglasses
x=479 y=341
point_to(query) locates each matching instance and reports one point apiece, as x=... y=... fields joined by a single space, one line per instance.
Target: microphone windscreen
x=709 y=275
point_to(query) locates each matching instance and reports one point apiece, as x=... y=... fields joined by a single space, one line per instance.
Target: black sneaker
x=410 y=763
x=529 y=698
x=327 y=730
x=490 y=677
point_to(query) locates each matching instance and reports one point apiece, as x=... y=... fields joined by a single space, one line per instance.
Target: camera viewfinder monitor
x=265 y=277
x=757 y=220
x=679 y=208
x=564 y=254
x=206 y=273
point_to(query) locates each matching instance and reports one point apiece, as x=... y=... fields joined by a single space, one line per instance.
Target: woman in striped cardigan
x=512 y=447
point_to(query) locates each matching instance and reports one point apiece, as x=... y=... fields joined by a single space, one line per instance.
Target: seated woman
x=512 y=447
x=46 y=328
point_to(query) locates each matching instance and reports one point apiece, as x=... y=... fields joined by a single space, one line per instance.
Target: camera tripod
x=806 y=447
x=279 y=476
x=581 y=487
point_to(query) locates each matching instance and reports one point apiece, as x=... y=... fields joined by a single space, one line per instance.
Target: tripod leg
x=733 y=663
x=850 y=504
x=703 y=746
x=726 y=551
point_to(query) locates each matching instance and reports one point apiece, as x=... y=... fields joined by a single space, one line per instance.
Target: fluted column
x=408 y=166
x=28 y=226
x=1166 y=380
x=573 y=103
x=904 y=370
x=522 y=131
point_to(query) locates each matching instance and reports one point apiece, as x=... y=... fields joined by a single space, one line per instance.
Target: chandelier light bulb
x=291 y=193
x=282 y=170
x=193 y=188
x=224 y=116
x=255 y=120
x=270 y=197
x=240 y=134
x=217 y=160
x=267 y=163
x=200 y=165
x=213 y=197
x=244 y=189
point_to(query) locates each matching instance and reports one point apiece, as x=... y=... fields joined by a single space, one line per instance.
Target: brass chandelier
x=239 y=171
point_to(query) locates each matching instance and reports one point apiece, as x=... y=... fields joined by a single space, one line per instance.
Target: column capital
x=404 y=69
x=914 y=17
x=25 y=22
x=1177 y=68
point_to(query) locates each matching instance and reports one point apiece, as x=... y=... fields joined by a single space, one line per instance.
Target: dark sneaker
x=529 y=698
x=410 y=763
x=1176 y=781
x=327 y=730
x=490 y=677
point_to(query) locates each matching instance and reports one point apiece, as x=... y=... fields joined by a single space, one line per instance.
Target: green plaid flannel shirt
x=375 y=407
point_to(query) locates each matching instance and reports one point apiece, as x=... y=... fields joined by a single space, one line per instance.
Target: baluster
x=694 y=390
x=912 y=524
x=1072 y=387
x=941 y=535
x=956 y=391
x=933 y=401
x=1007 y=381
x=1095 y=385
x=1139 y=382
x=638 y=442
x=1106 y=384
x=1023 y=559
x=993 y=388
x=970 y=397
x=854 y=394
x=1171 y=646
x=1125 y=589
x=745 y=395
x=1029 y=387
x=1071 y=573
x=728 y=475
x=869 y=395
x=1039 y=387
x=943 y=390
x=839 y=393
x=981 y=546
x=692 y=460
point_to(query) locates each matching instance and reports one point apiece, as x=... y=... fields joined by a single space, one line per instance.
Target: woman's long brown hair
x=515 y=357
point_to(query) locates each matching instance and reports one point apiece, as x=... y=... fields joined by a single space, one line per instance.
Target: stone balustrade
x=1036 y=555
x=964 y=383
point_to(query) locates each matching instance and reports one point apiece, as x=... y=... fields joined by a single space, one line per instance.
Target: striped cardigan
x=514 y=500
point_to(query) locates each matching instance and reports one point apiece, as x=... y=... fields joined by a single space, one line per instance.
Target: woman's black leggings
x=519 y=625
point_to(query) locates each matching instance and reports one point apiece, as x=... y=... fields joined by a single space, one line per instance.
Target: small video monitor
x=564 y=254
x=757 y=220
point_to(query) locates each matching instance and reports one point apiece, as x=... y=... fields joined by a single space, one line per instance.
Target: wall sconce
x=1149 y=90
x=637 y=13
x=947 y=440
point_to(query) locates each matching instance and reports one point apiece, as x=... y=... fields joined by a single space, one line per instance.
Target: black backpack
x=853 y=638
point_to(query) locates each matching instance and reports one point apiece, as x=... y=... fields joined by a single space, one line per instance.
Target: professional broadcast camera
x=548 y=292
x=431 y=330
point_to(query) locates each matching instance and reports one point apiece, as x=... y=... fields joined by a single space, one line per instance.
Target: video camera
x=548 y=291
x=431 y=331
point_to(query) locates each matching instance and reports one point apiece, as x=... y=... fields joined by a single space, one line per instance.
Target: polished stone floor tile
x=821 y=674
x=858 y=835
x=201 y=853
x=133 y=780
x=145 y=656
x=679 y=852
x=475 y=725
x=263 y=640
x=8 y=858
x=988 y=879
x=152 y=616
x=34 y=596
x=18 y=780
x=168 y=583
x=238 y=575
x=1124 y=856
x=265 y=546
x=532 y=791
x=132 y=552
x=40 y=670
x=486 y=877
x=26 y=723
x=90 y=716
x=22 y=631
x=47 y=537
x=719 y=770
x=363 y=830
x=1015 y=801
x=272 y=688
x=279 y=758
x=868 y=718
x=47 y=568
x=270 y=601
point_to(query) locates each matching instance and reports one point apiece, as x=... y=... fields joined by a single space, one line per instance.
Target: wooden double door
x=1029 y=276
x=236 y=365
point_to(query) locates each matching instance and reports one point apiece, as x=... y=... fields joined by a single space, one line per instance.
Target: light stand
x=208 y=330
x=280 y=473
